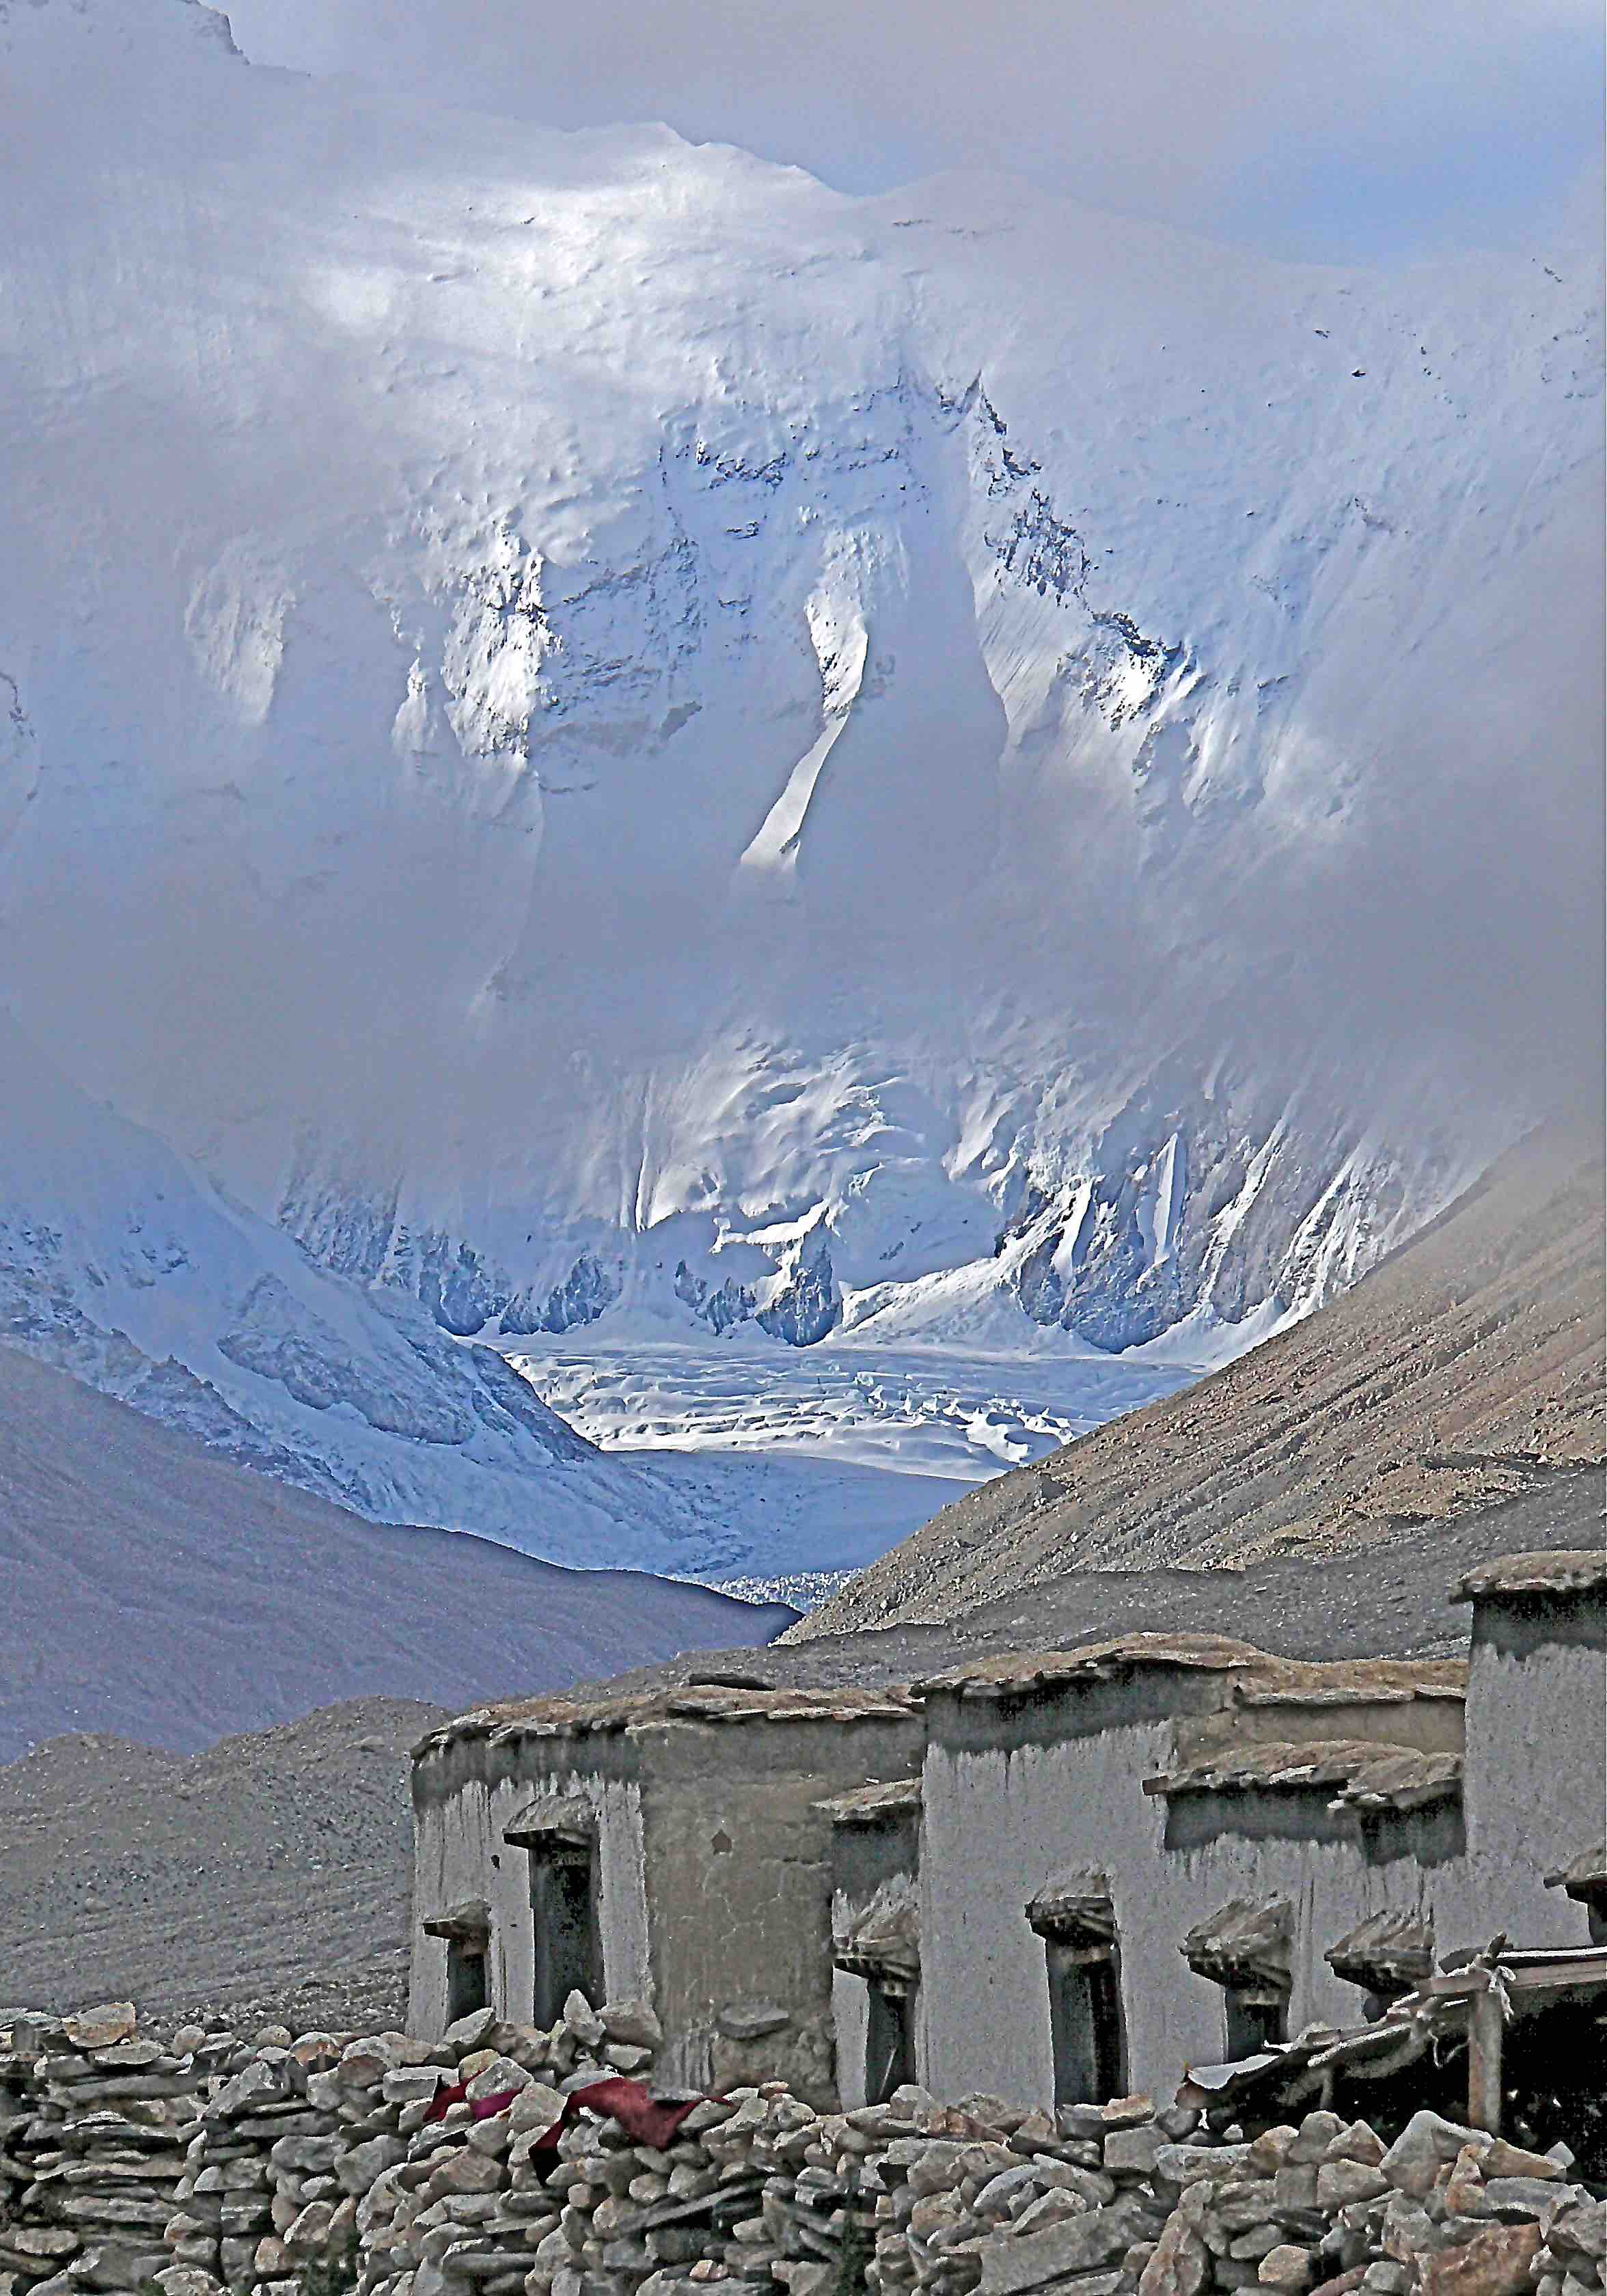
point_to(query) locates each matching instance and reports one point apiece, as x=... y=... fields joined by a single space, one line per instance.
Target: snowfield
x=611 y=758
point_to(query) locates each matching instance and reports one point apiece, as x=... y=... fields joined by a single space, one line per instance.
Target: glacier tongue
x=657 y=752
x=121 y=1264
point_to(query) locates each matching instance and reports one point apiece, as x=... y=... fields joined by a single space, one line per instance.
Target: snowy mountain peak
x=654 y=748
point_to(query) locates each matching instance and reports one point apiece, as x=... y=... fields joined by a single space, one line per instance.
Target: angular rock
x=1497 y=2157
x=1010 y=2264
x=495 y=2079
x=304 y=2156
x=469 y=2032
x=633 y=2023
x=1342 y=2182
x=1356 y=2143
x=1188 y=2164
x=1523 y=2197
x=467 y=2172
x=1131 y=2152
x=1289 y=2269
x=1056 y=2206
x=582 y=2020
x=309 y=2229
x=536 y=2108
x=1312 y=2138
x=103 y=2027
x=625 y=2057
x=187 y=2280
x=1496 y=2263
x=1580 y=2229
x=254 y=2084
x=1425 y=2145
x=356 y=2170
x=30 y=2244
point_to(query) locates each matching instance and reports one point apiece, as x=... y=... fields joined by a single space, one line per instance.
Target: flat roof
x=868 y=1804
x=635 y=1710
x=1556 y=1571
x=1263 y=1677
x=1358 y=1773
x=1018 y=1673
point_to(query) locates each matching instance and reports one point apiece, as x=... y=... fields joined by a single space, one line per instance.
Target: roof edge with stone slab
x=1559 y=1571
x=631 y=1712
x=1358 y=1773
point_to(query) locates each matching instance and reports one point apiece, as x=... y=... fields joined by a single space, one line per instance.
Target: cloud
x=1331 y=129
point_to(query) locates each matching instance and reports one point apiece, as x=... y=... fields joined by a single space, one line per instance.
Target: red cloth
x=645 y=2119
x=483 y=2107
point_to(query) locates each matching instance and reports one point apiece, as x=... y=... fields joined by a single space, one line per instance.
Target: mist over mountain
x=610 y=740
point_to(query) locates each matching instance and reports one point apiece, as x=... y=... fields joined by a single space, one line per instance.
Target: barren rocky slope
x=1465 y=1366
x=156 y=1591
x=270 y=1874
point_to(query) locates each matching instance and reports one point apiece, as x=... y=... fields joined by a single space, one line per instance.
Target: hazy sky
x=1328 y=128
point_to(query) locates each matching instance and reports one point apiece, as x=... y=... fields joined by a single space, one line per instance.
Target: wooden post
x=1484 y=2037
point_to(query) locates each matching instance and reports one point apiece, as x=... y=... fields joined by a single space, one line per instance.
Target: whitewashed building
x=665 y=1847
x=1057 y=1877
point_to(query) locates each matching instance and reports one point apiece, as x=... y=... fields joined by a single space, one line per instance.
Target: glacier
x=627 y=759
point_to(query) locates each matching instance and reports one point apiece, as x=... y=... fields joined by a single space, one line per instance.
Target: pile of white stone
x=94 y=2122
x=913 y=2194
x=322 y=2151
x=282 y=2166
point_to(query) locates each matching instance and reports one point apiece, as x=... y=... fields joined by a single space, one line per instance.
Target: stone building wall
x=876 y=1871
x=463 y=1802
x=739 y=1855
x=1536 y=1763
x=712 y=1861
x=1017 y=1793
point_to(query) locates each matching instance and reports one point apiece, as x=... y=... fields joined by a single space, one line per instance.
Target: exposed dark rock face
x=591 y=1286
x=811 y=1304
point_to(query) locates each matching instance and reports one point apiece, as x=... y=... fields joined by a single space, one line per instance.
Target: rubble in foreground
x=206 y=2161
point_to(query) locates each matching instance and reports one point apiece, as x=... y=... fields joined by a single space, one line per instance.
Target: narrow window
x=563 y=1909
x=889 y=2041
x=1086 y=2025
x=465 y=1977
x=1247 y=1948
x=1254 y=2022
x=465 y=1931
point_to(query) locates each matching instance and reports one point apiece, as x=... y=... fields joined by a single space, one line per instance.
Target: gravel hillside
x=172 y=1598
x=271 y=1873
x=1464 y=1368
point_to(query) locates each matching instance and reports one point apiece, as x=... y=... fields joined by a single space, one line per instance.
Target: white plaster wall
x=998 y=1825
x=459 y=1854
x=1535 y=1792
x=850 y=2022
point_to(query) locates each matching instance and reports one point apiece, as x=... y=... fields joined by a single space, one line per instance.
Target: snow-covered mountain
x=122 y=1263
x=614 y=741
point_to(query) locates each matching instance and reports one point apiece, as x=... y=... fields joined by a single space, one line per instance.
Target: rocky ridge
x=1468 y=1368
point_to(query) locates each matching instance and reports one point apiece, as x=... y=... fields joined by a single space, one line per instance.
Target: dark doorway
x=466 y=1989
x=889 y=2041
x=563 y=1909
x=1086 y=2025
x=1254 y=2022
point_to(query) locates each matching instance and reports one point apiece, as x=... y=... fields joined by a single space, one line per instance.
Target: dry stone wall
x=202 y=2161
